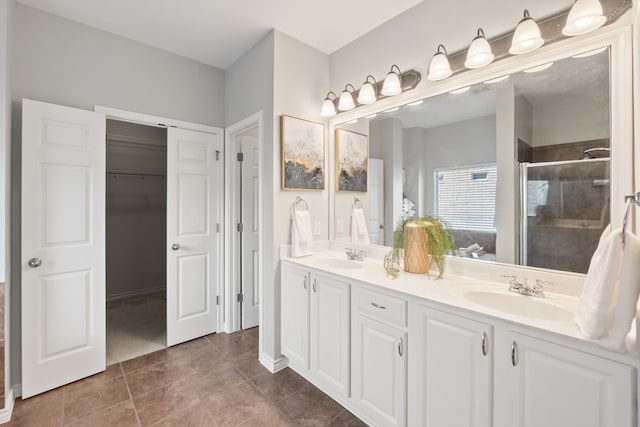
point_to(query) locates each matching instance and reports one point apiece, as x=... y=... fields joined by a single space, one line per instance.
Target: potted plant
x=426 y=237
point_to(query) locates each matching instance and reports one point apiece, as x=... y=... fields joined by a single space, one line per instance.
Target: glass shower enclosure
x=564 y=210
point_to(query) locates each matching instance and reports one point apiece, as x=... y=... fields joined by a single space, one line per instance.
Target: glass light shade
x=328 y=108
x=439 y=69
x=584 y=16
x=391 y=85
x=527 y=37
x=367 y=94
x=479 y=53
x=346 y=101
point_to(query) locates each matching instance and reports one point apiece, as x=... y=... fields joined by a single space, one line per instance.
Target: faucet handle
x=543 y=283
x=513 y=277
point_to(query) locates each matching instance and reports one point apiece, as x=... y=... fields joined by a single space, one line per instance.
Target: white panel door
x=376 y=201
x=295 y=316
x=63 y=245
x=250 y=232
x=329 y=335
x=554 y=386
x=453 y=370
x=379 y=371
x=193 y=242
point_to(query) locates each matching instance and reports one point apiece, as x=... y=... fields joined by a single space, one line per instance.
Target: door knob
x=175 y=246
x=35 y=262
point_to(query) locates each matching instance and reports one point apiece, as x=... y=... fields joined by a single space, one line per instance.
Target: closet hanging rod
x=124 y=173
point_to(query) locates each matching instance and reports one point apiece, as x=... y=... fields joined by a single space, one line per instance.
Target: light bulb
x=328 y=107
x=346 y=99
x=439 y=69
x=392 y=85
x=584 y=16
x=367 y=93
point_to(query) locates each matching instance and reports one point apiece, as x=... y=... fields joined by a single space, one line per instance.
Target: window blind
x=465 y=197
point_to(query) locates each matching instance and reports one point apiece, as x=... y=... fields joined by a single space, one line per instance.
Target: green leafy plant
x=441 y=243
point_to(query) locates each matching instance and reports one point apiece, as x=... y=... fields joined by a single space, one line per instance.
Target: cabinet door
x=295 y=316
x=553 y=386
x=329 y=338
x=453 y=375
x=379 y=371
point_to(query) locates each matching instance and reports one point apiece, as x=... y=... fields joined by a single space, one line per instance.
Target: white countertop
x=454 y=290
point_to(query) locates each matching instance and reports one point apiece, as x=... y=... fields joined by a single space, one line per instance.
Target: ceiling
x=218 y=32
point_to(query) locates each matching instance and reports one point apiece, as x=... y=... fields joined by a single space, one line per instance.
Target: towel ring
x=356 y=203
x=298 y=201
x=630 y=199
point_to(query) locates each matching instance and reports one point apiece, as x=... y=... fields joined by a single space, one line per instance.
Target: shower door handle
x=175 y=247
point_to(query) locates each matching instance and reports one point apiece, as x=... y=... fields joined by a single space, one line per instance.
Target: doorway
x=136 y=225
x=244 y=204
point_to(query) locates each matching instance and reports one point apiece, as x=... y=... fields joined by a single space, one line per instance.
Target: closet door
x=63 y=245
x=193 y=242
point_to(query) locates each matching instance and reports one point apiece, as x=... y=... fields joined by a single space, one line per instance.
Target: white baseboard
x=131 y=294
x=273 y=365
x=5 y=414
x=17 y=390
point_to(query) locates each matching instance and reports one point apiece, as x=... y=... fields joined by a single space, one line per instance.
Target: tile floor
x=212 y=381
x=136 y=326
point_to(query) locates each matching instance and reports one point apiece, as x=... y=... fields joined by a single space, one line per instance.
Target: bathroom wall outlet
x=340 y=225
x=316 y=228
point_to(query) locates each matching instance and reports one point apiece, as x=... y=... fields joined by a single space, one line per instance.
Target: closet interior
x=136 y=224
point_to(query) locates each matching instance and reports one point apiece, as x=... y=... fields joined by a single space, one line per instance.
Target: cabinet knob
x=175 y=247
x=400 y=347
x=485 y=344
x=514 y=353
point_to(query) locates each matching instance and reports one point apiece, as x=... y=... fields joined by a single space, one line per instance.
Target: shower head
x=586 y=154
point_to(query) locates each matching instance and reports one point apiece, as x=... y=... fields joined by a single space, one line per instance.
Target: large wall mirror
x=518 y=166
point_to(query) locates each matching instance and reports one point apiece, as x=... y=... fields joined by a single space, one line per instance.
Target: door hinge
x=217 y=299
x=240 y=157
x=217 y=154
x=240 y=227
x=240 y=298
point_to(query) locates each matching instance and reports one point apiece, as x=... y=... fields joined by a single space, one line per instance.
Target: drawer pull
x=485 y=344
x=314 y=285
x=305 y=282
x=514 y=353
x=381 y=307
x=400 y=347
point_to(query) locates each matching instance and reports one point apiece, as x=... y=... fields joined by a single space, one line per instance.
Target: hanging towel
x=359 y=232
x=301 y=235
x=626 y=300
x=610 y=295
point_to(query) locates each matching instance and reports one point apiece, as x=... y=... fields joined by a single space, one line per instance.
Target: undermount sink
x=520 y=305
x=340 y=263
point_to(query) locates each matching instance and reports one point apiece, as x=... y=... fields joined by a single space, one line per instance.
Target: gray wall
x=67 y=63
x=63 y=62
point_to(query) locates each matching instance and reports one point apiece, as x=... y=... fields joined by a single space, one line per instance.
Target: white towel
x=610 y=295
x=624 y=311
x=301 y=234
x=359 y=232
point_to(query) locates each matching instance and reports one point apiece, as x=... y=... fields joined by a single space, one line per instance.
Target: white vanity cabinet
x=316 y=326
x=379 y=356
x=543 y=384
x=451 y=369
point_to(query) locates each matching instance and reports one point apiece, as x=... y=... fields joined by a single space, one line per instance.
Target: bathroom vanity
x=459 y=351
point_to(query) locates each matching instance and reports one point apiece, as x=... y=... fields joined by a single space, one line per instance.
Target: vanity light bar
x=408 y=80
x=551 y=31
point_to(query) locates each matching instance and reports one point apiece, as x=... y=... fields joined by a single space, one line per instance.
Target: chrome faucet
x=536 y=290
x=355 y=255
